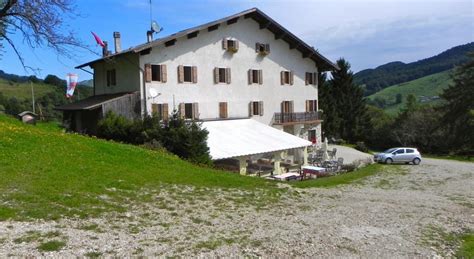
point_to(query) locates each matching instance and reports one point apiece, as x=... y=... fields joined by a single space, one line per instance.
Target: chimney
x=149 y=36
x=118 y=45
x=105 y=51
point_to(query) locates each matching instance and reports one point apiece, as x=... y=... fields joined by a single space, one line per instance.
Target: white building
x=242 y=66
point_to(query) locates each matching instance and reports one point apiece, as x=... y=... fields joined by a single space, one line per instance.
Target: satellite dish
x=153 y=93
x=155 y=27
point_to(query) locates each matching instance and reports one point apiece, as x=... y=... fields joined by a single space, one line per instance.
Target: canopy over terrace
x=241 y=138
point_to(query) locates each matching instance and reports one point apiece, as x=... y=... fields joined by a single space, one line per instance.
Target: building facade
x=242 y=66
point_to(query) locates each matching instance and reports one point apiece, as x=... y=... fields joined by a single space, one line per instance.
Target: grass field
x=49 y=174
x=23 y=90
x=432 y=85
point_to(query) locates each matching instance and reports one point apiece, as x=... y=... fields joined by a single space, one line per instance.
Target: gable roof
x=260 y=17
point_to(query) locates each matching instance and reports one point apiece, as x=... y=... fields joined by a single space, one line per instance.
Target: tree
x=459 y=108
x=41 y=24
x=398 y=98
x=348 y=102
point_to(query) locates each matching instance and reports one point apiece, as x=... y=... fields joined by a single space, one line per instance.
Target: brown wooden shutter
x=182 y=110
x=236 y=45
x=307 y=105
x=260 y=76
x=223 y=110
x=267 y=48
x=291 y=78
x=250 y=76
x=315 y=105
x=282 y=107
x=147 y=72
x=180 y=74
x=292 y=107
x=164 y=74
x=165 y=112
x=260 y=108
x=224 y=43
x=154 y=108
x=282 y=77
x=195 y=74
x=195 y=111
x=250 y=109
x=306 y=78
x=227 y=75
x=216 y=75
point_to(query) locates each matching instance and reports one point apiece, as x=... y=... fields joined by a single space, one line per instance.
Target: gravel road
x=403 y=213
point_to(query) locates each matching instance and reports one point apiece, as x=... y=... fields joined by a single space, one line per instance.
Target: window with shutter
x=262 y=48
x=231 y=45
x=311 y=78
x=188 y=110
x=311 y=105
x=187 y=74
x=256 y=108
x=156 y=73
x=286 y=78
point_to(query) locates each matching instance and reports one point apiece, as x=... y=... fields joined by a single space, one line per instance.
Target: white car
x=399 y=155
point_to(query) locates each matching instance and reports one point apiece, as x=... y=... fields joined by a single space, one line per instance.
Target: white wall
x=205 y=51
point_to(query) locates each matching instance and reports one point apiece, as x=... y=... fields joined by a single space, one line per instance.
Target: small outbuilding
x=28 y=117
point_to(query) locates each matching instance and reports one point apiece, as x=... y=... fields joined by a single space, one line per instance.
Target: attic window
x=231 y=45
x=262 y=48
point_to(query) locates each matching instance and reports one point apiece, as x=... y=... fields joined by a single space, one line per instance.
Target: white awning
x=242 y=137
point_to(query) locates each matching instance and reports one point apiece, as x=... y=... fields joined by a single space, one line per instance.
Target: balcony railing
x=296 y=117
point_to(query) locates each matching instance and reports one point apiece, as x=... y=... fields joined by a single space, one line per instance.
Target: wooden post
x=305 y=156
x=276 y=163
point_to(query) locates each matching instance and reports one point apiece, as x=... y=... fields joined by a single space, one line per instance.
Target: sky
x=367 y=33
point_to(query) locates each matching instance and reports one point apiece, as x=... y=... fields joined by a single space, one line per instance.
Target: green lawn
x=328 y=182
x=49 y=174
x=432 y=85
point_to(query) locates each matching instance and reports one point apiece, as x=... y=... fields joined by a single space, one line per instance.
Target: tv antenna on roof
x=154 y=26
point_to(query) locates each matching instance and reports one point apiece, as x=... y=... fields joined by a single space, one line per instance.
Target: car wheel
x=416 y=161
x=388 y=161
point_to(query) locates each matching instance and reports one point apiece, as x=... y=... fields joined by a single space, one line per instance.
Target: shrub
x=360 y=145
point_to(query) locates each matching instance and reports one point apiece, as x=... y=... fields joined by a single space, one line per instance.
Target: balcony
x=296 y=118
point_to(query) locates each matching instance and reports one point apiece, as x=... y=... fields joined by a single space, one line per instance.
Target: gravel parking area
x=402 y=213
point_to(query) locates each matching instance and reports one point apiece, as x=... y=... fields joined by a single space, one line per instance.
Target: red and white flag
x=71 y=80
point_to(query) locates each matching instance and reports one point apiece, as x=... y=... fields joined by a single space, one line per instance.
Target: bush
x=184 y=139
x=360 y=145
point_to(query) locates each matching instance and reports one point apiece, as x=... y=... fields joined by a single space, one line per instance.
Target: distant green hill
x=427 y=90
x=374 y=80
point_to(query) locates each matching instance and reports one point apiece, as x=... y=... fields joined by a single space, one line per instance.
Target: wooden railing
x=296 y=117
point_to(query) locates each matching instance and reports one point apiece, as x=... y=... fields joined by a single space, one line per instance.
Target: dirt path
x=400 y=214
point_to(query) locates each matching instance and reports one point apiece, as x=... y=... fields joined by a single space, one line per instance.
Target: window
x=311 y=105
x=410 y=151
x=231 y=45
x=161 y=109
x=111 y=79
x=286 y=77
x=158 y=73
x=223 y=110
x=262 y=48
x=255 y=76
x=187 y=74
x=312 y=136
x=287 y=106
x=311 y=78
x=222 y=75
x=400 y=151
x=256 y=108
x=189 y=110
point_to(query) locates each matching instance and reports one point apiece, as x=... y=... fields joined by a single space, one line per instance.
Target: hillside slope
x=50 y=174
x=427 y=90
x=398 y=72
